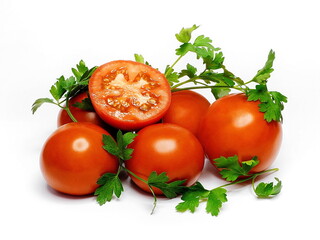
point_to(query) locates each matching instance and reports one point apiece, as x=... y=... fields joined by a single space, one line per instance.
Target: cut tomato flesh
x=129 y=95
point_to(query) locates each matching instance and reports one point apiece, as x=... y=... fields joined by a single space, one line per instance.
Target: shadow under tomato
x=65 y=195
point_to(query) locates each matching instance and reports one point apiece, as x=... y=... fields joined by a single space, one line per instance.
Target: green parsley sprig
x=218 y=78
x=230 y=170
x=110 y=183
x=66 y=88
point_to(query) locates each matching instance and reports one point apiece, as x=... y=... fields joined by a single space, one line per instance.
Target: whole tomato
x=235 y=126
x=72 y=158
x=187 y=108
x=168 y=148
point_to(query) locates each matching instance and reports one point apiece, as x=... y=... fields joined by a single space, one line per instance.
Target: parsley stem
x=146 y=182
x=171 y=67
x=253 y=177
x=67 y=109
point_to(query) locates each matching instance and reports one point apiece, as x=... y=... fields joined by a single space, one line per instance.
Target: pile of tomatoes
x=176 y=131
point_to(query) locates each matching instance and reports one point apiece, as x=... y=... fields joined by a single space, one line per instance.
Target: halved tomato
x=129 y=95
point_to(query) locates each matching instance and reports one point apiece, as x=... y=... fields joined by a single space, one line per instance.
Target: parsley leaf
x=264 y=190
x=197 y=193
x=264 y=73
x=139 y=58
x=65 y=88
x=184 y=35
x=170 y=190
x=191 y=198
x=85 y=105
x=110 y=185
x=119 y=148
x=231 y=169
x=215 y=200
x=272 y=103
x=39 y=102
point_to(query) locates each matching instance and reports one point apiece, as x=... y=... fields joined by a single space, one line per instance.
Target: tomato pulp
x=187 y=108
x=72 y=158
x=168 y=148
x=235 y=126
x=129 y=95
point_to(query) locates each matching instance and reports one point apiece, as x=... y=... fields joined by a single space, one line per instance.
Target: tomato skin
x=169 y=148
x=79 y=114
x=103 y=90
x=235 y=126
x=187 y=108
x=72 y=158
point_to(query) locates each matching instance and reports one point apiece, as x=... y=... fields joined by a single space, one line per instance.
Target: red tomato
x=72 y=158
x=129 y=95
x=169 y=148
x=79 y=114
x=186 y=110
x=235 y=126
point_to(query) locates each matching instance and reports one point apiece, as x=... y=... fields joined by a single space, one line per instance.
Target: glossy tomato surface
x=72 y=158
x=129 y=95
x=79 y=114
x=169 y=148
x=187 y=108
x=235 y=126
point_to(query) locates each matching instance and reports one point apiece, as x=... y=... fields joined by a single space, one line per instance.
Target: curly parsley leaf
x=169 y=189
x=110 y=185
x=264 y=190
x=231 y=168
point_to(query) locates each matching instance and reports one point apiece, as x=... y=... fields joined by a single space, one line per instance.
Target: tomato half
x=169 y=148
x=129 y=95
x=72 y=158
x=187 y=108
x=79 y=114
x=235 y=126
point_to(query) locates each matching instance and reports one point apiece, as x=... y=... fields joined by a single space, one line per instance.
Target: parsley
x=219 y=79
x=197 y=193
x=264 y=190
x=66 y=88
x=231 y=170
x=110 y=183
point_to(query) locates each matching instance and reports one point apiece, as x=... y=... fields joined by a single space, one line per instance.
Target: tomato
x=79 y=114
x=186 y=110
x=83 y=115
x=169 y=148
x=129 y=95
x=72 y=158
x=235 y=126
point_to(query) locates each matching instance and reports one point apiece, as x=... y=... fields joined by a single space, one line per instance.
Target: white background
x=42 y=40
